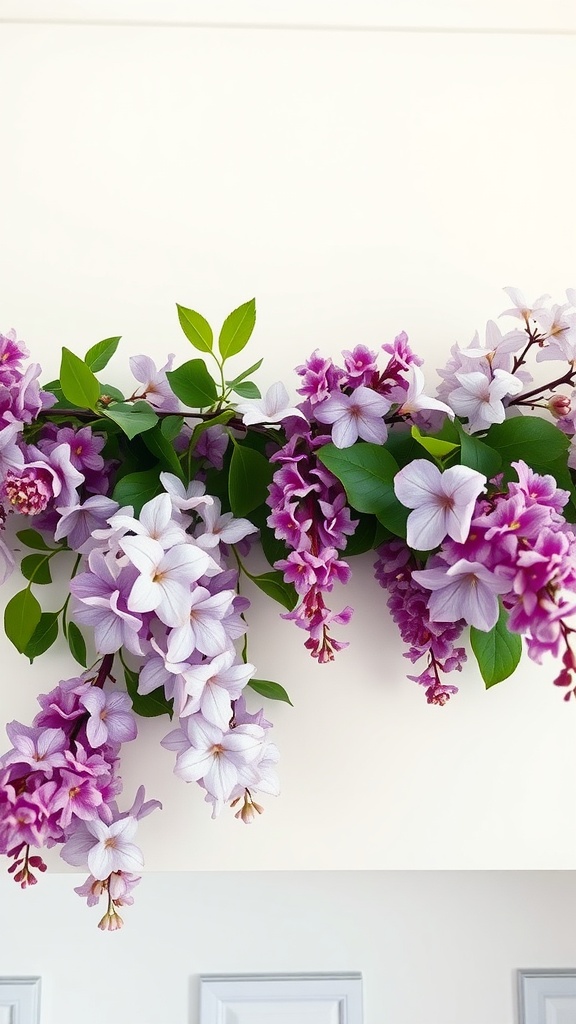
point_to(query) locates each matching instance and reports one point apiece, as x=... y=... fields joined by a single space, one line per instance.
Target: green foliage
x=137 y=488
x=36 y=568
x=250 y=475
x=246 y=373
x=43 y=637
x=133 y=418
x=367 y=473
x=477 y=455
x=193 y=385
x=237 y=329
x=530 y=438
x=33 y=539
x=21 y=616
x=196 y=329
x=436 y=446
x=76 y=643
x=248 y=389
x=171 y=426
x=149 y=705
x=78 y=383
x=497 y=652
x=271 y=690
x=161 y=447
x=273 y=585
x=101 y=353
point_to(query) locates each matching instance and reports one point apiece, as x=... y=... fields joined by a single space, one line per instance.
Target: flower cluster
x=153 y=503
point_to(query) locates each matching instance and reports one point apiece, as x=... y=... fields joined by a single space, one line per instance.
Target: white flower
x=479 y=398
x=273 y=408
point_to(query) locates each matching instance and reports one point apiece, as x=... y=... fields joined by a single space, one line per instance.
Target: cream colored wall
x=358 y=183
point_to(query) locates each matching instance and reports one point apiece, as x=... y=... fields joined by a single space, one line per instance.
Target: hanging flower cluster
x=155 y=501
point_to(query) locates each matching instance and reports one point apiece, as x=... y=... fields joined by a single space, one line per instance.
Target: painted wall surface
x=433 y=947
x=358 y=183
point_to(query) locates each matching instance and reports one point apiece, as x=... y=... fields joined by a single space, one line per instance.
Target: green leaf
x=477 y=455
x=196 y=329
x=272 y=584
x=271 y=690
x=109 y=391
x=33 y=539
x=137 y=488
x=248 y=389
x=192 y=384
x=273 y=548
x=149 y=705
x=236 y=329
x=43 y=637
x=404 y=448
x=163 y=450
x=435 y=445
x=21 y=616
x=250 y=475
x=364 y=537
x=77 y=644
x=530 y=438
x=36 y=568
x=497 y=652
x=199 y=429
x=171 y=426
x=367 y=473
x=101 y=353
x=133 y=418
x=245 y=373
x=78 y=383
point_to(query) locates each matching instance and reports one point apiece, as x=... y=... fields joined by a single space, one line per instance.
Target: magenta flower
x=353 y=416
x=465 y=590
x=442 y=503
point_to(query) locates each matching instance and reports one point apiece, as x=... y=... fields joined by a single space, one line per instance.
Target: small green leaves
x=196 y=329
x=149 y=705
x=367 y=472
x=434 y=445
x=236 y=329
x=133 y=418
x=248 y=389
x=271 y=690
x=137 y=488
x=273 y=585
x=250 y=475
x=192 y=384
x=36 y=568
x=477 y=455
x=242 y=376
x=21 y=616
x=33 y=539
x=43 y=637
x=77 y=644
x=162 y=448
x=497 y=652
x=79 y=385
x=100 y=354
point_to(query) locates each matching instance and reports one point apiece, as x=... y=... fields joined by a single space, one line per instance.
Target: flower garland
x=154 y=502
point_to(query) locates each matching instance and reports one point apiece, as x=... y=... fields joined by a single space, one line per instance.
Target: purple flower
x=104 y=848
x=353 y=416
x=465 y=590
x=111 y=718
x=157 y=390
x=78 y=522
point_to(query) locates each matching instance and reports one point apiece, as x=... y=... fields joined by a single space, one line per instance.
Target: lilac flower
x=77 y=796
x=10 y=454
x=480 y=395
x=443 y=503
x=85 y=447
x=273 y=408
x=103 y=596
x=356 y=415
x=164 y=577
x=78 y=522
x=185 y=498
x=415 y=400
x=30 y=488
x=212 y=686
x=40 y=749
x=154 y=521
x=212 y=445
x=157 y=390
x=521 y=308
x=221 y=528
x=111 y=718
x=202 y=629
x=104 y=848
x=216 y=756
x=465 y=590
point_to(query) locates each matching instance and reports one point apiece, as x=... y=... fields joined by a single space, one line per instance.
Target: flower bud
x=559 y=405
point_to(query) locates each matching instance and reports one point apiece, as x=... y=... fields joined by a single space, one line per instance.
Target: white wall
x=433 y=947
x=358 y=183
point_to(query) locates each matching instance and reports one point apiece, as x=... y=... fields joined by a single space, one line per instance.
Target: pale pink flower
x=479 y=397
x=273 y=408
x=415 y=399
x=164 y=582
x=356 y=415
x=442 y=503
x=465 y=590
